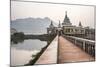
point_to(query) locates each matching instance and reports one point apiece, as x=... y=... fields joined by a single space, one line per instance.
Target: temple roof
x=59 y=24
x=80 y=25
x=51 y=25
x=66 y=20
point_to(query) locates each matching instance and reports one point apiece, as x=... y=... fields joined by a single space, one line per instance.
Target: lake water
x=21 y=53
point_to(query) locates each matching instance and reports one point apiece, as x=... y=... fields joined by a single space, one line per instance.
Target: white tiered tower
x=66 y=21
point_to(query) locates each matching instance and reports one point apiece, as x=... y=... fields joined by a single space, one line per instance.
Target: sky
x=56 y=12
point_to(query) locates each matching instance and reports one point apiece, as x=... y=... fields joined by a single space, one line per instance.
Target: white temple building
x=67 y=28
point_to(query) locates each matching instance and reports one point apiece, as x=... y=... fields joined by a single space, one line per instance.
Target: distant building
x=59 y=29
x=66 y=21
x=80 y=25
x=70 y=29
x=59 y=25
x=51 y=29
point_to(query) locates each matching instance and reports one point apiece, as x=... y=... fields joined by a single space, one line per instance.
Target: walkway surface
x=68 y=52
x=50 y=54
x=63 y=51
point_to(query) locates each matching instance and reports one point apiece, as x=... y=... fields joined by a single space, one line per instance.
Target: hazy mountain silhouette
x=31 y=25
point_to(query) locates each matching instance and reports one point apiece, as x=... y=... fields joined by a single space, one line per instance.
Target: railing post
x=84 y=45
x=75 y=41
x=93 y=51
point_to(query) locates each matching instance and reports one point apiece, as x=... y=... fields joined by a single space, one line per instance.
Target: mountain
x=32 y=25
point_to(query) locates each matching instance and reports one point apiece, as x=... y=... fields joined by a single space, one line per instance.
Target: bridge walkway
x=63 y=51
x=68 y=52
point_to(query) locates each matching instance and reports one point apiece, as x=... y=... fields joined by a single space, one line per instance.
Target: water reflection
x=22 y=52
x=33 y=60
x=30 y=45
x=26 y=50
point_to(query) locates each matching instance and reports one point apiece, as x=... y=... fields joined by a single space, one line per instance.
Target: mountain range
x=32 y=25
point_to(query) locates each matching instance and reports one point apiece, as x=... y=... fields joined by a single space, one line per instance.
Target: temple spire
x=66 y=21
x=66 y=13
x=51 y=25
x=59 y=24
x=80 y=25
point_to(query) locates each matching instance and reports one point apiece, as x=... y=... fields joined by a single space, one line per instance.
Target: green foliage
x=17 y=37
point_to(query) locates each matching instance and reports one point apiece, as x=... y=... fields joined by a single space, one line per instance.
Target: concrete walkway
x=50 y=54
x=63 y=51
x=68 y=52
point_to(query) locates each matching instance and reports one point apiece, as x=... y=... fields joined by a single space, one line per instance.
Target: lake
x=21 y=53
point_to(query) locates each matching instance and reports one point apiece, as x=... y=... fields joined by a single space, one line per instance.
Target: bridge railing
x=85 y=44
